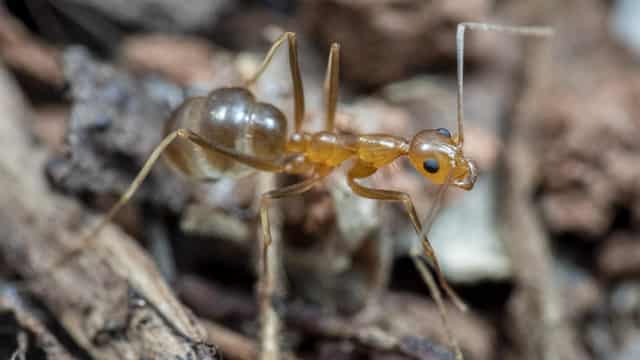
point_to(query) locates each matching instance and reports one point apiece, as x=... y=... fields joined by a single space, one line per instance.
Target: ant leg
x=267 y=281
x=405 y=199
x=252 y=161
x=88 y=239
x=331 y=86
x=360 y=171
x=541 y=31
x=296 y=79
x=291 y=190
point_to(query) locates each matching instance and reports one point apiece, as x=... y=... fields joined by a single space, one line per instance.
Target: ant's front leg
x=363 y=170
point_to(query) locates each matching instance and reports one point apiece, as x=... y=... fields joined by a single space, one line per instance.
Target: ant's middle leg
x=296 y=79
x=291 y=190
x=267 y=280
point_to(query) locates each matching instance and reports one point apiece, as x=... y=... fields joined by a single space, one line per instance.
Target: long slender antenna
x=331 y=86
x=427 y=221
x=542 y=31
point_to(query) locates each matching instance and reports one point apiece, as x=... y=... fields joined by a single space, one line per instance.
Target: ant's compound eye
x=431 y=165
x=444 y=132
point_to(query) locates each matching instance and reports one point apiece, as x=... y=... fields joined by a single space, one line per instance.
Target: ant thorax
x=332 y=148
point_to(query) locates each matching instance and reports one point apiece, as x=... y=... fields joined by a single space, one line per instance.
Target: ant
x=230 y=133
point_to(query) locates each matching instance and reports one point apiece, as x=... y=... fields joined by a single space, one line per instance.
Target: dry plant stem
x=22 y=51
x=233 y=345
x=268 y=280
x=116 y=281
x=538 y=310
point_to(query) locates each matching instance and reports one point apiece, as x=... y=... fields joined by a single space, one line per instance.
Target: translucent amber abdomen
x=228 y=117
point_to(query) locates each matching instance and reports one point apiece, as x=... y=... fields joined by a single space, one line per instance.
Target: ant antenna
x=428 y=219
x=331 y=86
x=541 y=31
x=518 y=30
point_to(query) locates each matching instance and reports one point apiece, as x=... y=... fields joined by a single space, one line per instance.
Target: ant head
x=438 y=156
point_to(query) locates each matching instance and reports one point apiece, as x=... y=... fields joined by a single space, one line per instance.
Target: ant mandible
x=230 y=133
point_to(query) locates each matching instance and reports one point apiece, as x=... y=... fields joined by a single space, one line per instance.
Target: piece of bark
x=234 y=346
x=110 y=298
x=116 y=121
x=11 y=301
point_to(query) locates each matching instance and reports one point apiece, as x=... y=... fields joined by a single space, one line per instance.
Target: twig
x=22 y=51
x=234 y=346
x=535 y=305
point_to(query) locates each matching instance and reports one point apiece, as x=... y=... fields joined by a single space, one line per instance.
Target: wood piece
x=116 y=121
x=11 y=301
x=235 y=346
x=111 y=298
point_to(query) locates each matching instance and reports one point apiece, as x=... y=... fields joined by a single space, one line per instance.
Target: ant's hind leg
x=88 y=239
x=296 y=79
x=331 y=86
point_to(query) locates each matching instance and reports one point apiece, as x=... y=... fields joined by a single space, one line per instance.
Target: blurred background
x=545 y=249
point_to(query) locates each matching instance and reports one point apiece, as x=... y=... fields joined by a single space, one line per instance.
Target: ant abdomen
x=230 y=118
